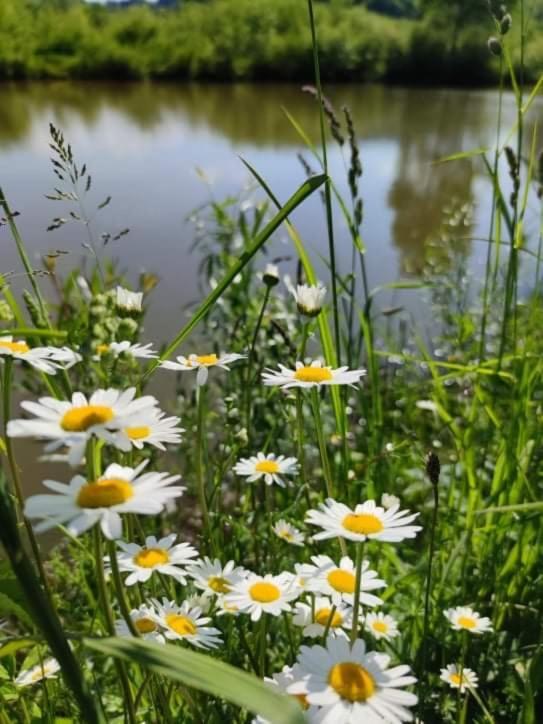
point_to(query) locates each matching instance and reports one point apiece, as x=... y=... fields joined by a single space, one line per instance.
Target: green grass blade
x=305 y=190
x=519 y=508
x=204 y=673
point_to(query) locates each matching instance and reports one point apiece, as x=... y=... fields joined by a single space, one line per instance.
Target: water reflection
x=150 y=127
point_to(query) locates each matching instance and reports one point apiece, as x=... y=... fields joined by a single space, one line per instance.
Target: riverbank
x=250 y=40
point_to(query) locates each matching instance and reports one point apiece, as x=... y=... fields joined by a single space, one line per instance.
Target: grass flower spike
x=144 y=620
x=288 y=533
x=160 y=556
x=82 y=503
x=451 y=675
x=256 y=595
x=49 y=670
x=314 y=619
x=367 y=521
x=213 y=578
x=381 y=626
x=339 y=582
x=463 y=618
x=185 y=623
x=202 y=363
x=313 y=375
x=309 y=299
x=351 y=685
x=269 y=467
x=44 y=359
x=104 y=415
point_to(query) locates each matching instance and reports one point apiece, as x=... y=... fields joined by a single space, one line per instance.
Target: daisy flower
x=268 y=467
x=138 y=351
x=44 y=359
x=128 y=301
x=288 y=533
x=387 y=501
x=213 y=578
x=451 y=675
x=185 y=623
x=263 y=594
x=381 y=626
x=144 y=621
x=48 y=669
x=158 y=430
x=309 y=298
x=314 y=625
x=463 y=618
x=202 y=363
x=313 y=375
x=366 y=521
x=82 y=503
x=104 y=415
x=281 y=681
x=270 y=276
x=352 y=685
x=161 y=556
x=339 y=582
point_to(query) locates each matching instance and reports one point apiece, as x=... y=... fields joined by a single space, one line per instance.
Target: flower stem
x=200 y=467
x=251 y=357
x=357 y=586
x=328 y=624
x=119 y=590
x=263 y=643
x=315 y=403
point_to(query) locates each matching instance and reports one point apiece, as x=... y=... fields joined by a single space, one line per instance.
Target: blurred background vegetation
x=413 y=41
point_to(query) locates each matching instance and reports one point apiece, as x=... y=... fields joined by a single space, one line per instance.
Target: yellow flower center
x=264 y=592
x=313 y=374
x=138 y=433
x=380 y=626
x=218 y=584
x=456 y=679
x=204 y=359
x=102 y=348
x=151 y=557
x=323 y=614
x=362 y=523
x=351 y=681
x=182 y=625
x=16 y=347
x=104 y=493
x=467 y=622
x=302 y=700
x=145 y=625
x=267 y=466
x=342 y=581
x=79 y=419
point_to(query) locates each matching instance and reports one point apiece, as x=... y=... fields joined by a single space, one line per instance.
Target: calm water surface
x=143 y=144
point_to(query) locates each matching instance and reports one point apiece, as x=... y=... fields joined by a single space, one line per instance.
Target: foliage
x=248 y=39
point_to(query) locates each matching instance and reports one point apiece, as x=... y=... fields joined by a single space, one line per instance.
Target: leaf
x=8 y=607
x=204 y=673
x=305 y=190
x=11 y=647
x=461 y=155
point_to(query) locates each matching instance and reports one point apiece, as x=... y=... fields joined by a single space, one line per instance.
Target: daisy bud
x=271 y=275
x=309 y=299
x=494 y=46
x=505 y=24
x=128 y=301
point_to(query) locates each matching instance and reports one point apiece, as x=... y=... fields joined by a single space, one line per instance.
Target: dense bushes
x=236 y=39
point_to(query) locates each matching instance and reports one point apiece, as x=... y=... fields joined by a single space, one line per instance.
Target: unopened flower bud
x=309 y=299
x=505 y=24
x=271 y=275
x=494 y=46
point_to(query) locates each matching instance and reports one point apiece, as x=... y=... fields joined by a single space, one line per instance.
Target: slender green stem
x=327 y=188
x=15 y=478
x=119 y=589
x=251 y=355
x=460 y=716
x=263 y=643
x=328 y=624
x=300 y=443
x=200 y=464
x=315 y=404
x=423 y=655
x=288 y=629
x=357 y=587
x=481 y=703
